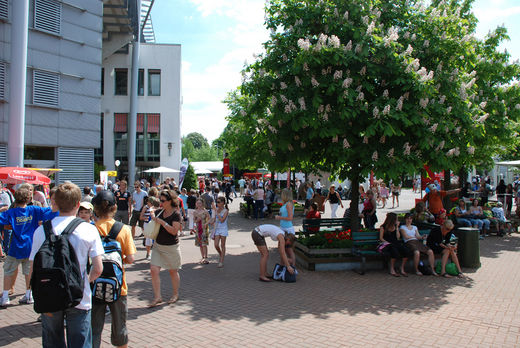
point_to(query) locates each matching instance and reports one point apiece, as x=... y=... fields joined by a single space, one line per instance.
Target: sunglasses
x=164 y=200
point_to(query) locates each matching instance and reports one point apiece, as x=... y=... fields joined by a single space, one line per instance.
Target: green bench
x=365 y=244
x=312 y=226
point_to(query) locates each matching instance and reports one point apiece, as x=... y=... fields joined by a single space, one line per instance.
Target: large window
x=121 y=82
x=147 y=139
x=140 y=82
x=154 y=82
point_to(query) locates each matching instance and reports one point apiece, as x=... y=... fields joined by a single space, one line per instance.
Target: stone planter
x=331 y=259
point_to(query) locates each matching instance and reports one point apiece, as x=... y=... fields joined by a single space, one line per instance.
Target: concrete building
x=51 y=112
x=158 y=107
x=62 y=99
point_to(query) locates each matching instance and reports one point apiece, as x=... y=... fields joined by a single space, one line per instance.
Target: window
x=121 y=82
x=4 y=9
x=98 y=152
x=140 y=82
x=154 y=82
x=120 y=151
x=102 y=81
x=46 y=87
x=2 y=80
x=47 y=16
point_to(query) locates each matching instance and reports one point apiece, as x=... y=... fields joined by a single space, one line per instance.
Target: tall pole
x=19 y=32
x=132 y=120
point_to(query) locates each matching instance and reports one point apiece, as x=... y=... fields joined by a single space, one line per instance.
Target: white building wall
x=167 y=58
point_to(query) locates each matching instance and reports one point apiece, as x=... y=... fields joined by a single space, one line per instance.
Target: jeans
x=79 y=331
x=259 y=208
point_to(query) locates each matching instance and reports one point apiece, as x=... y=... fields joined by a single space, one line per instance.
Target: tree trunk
x=354 y=203
x=447 y=179
x=463 y=177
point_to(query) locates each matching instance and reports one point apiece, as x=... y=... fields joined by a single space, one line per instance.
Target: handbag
x=381 y=246
x=151 y=229
x=280 y=273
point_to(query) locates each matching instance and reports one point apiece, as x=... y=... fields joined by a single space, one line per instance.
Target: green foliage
x=351 y=87
x=98 y=168
x=198 y=140
x=190 y=180
x=204 y=153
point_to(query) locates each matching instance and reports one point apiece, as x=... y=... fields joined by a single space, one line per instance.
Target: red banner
x=226 y=166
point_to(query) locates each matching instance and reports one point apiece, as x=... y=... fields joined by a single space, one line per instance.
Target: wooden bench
x=312 y=226
x=365 y=244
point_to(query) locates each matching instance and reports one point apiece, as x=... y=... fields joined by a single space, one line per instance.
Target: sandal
x=461 y=275
x=394 y=274
x=404 y=274
x=418 y=273
x=205 y=262
x=173 y=299
x=267 y=280
x=446 y=275
x=155 y=302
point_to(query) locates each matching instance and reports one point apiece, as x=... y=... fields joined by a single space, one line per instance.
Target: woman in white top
x=413 y=241
x=221 y=229
x=277 y=234
x=259 y=195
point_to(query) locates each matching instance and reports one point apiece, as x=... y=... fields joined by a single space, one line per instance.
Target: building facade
x=158 y=108
x=62 y=100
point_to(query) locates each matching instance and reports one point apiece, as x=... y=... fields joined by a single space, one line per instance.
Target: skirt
x=166 y=256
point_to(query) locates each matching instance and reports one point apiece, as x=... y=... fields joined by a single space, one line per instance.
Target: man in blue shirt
x=24 y=220
x=308 y=197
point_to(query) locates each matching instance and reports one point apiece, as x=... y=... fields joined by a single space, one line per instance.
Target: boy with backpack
x=60 y=280
x=111 y=288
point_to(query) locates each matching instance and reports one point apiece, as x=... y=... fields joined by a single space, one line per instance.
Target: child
x=184 y=197
x=498 y=212
x=85 y=212
x=150 y=204
x=201 y=221
x=221 y=229
x=439 y=220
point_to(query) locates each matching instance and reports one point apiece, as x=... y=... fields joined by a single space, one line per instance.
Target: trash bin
x=468 y=246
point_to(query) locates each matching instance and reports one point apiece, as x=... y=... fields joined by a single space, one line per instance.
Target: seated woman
x=413 y=241
x=395 y=249
x=421 y=214
x=284 y=241
x=477 y=212
x=464 y=218
x=442 y=241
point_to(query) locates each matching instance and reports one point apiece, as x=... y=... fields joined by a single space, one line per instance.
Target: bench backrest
x=311 y=226
x=365 y=238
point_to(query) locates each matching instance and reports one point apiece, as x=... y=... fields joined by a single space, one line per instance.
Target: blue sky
x=218 y=36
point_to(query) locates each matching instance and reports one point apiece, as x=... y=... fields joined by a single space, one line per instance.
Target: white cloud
x=203 y=91
x=494 y=14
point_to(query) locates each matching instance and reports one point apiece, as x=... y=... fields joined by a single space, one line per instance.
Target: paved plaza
x=229 y=307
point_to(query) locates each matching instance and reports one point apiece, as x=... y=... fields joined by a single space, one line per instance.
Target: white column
x=132 y=117
x=18 y=73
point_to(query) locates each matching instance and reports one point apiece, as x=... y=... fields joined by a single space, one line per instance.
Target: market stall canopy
x=203 y=171
x=162 y=170
x=47 y=171
x=17 y=175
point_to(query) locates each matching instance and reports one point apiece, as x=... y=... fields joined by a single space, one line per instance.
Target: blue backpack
x=107 y=287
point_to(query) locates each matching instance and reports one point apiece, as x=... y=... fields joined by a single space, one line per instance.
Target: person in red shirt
x=434 y=198
x=313 y=213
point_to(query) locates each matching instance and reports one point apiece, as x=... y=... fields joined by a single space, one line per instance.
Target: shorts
x=223 y=232
x=258 y=239
x=118 y=314
x=416 y=245
x=307 y=203
x=289 y=230
x=11 y=265
x=148 y=242
x=122 y=216
x=396 y=194
x=136 y=214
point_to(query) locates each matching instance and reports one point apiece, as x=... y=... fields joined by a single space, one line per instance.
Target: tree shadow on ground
x=493 y=245
x=13 y=333
x=234 y=292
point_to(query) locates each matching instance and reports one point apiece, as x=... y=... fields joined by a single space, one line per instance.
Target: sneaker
x=5 y=302
x=148 y=257
x=25 y=300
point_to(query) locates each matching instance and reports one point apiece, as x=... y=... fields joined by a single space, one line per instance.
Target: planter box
x=332 y=259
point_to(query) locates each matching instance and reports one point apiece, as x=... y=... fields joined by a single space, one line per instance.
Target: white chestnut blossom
x=305 y=67
x=302 y=145
x=283 y=98
x=370 y=28
x=457 y=130
x=314 y=82
x=363 y=71
x=321 y=108
x=273 y=101
x=348 y=47
x=304 y=44
x=483 y=118
x=283 y=85
x=272 y=153
x=407 y=148
x=290 y=147
x=346 y=145
x=409 y=50
x=414 y=37
x=391 y=152
x=361 y=96
x=426 y=43
x=471 y=150
x=338 y=74
x=297 y=81
x=399 y=106
x=270 y=144
x=358 y=48
x=345 y=16
x=385 y=93
x=382 y=140
x=440 y=146
x=386 y=110
x=424 y=102
x=334 y=41
x=375 y=156
x=375 y=112
x=483 y=104
x=280 y=123
x=242 y=112
x=365 y=140
x=301 y=101
x=448 y=110
x=335 y=139
x=517 y=106
x=442 y=99
x=433 y=128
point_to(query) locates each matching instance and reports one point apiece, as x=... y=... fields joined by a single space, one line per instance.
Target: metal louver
x=77 y=165
x=4 y=9
x=46 y=87
x=47 y=15
x=2 y=80
x=3 y=155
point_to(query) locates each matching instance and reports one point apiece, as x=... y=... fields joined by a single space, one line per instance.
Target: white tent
x=509 y=163
x=162 y=170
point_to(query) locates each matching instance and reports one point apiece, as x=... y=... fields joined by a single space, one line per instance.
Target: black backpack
x=56 y=280
x=107 y=287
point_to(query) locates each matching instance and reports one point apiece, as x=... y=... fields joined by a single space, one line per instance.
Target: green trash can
x=468 y=247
